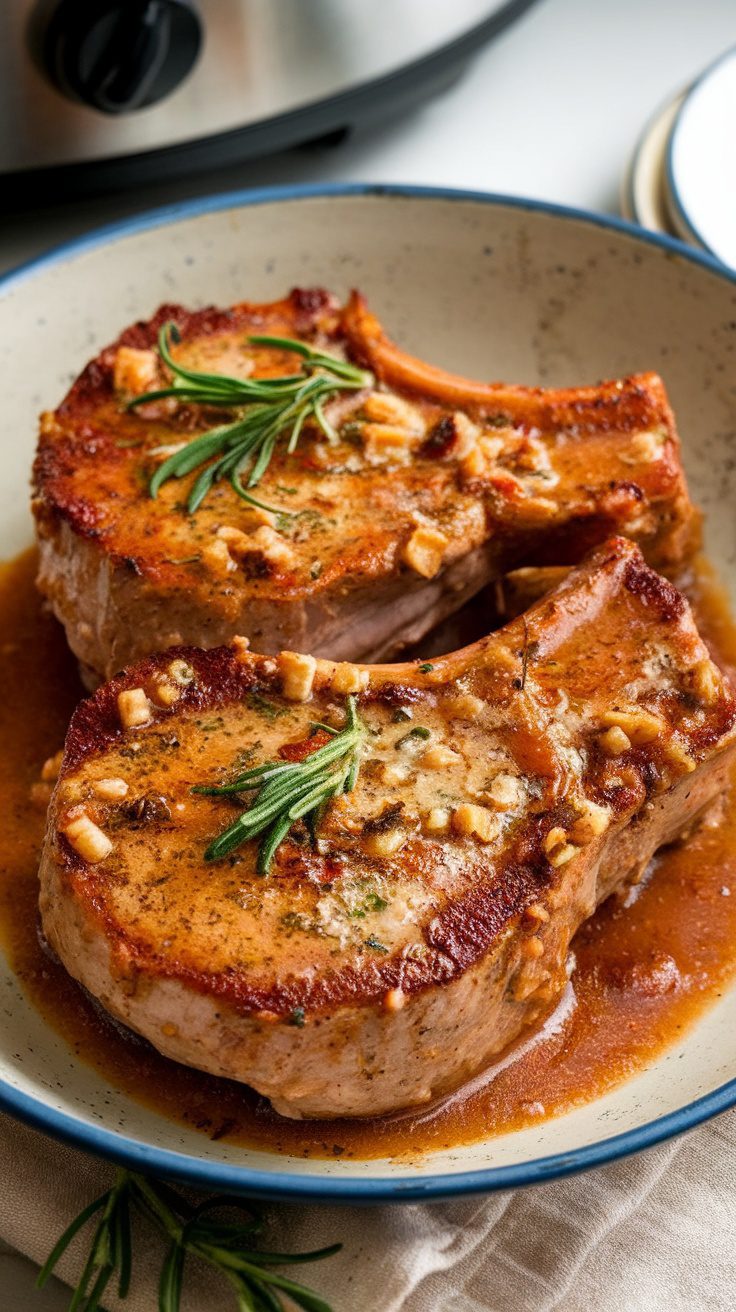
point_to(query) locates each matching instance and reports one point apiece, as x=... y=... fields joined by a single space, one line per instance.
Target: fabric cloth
x=653 y=1233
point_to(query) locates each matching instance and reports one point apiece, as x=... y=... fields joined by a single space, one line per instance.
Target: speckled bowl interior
x=494 y=289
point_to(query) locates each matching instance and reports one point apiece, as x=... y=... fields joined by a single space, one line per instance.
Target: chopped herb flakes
x=402 y=714
x=371 y=902
x=269 y=710
x=297 y=1018
x=375 y=944
x=289 y=791
x=419 y=731
x=426 y=668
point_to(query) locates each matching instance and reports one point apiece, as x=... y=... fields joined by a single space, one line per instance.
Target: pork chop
x=429 y=487
x=385 y=953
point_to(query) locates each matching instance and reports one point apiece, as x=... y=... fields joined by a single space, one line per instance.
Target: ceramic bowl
x=492 y=287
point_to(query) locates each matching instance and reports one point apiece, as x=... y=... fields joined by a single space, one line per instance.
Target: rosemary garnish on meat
x=290 y=790
x=268 y=410
x=205 y=1232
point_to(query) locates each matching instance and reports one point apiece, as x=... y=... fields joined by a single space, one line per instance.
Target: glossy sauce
x=644 y=970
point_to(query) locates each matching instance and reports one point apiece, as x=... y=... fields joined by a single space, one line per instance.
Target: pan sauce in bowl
x=644 y=969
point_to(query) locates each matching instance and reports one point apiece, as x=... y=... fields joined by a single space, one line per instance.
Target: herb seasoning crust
x=393 y=947
x=400 y=499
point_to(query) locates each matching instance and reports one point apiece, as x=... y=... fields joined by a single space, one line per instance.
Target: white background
x=551 y=109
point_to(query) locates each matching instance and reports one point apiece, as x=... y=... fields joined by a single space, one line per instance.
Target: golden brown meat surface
x=503 y=791
x=435 y=486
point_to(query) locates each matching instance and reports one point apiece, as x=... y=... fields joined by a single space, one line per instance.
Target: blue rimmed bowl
x=490 y=286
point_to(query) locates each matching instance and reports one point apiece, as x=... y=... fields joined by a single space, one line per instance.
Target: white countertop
x=551 y=109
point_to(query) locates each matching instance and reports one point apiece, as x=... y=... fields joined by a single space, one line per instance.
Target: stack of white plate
x=682 y=177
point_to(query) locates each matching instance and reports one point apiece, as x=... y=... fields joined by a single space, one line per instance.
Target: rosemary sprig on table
x=291 y=790
x=203 y=1232
x=268 y=409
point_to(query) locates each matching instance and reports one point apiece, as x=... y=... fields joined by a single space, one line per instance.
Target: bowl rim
x=235 y=1178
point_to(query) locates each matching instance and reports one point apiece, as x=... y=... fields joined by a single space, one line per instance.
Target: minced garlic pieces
x=217 y=556
x=88 y=840
x=474 y=464
x=505 y=792
x=346 y=678
x=466 y=432
x=706 y=682
x=297 y=675
x=646 y=448
x=232 y=544
x=386 y=442
x=593 y=821
x=556 y=847
x=425 y=550
x=134 y=371
x=387 y=843
x=677 y=752
x=241 y=646
x=182 y=672
x=385 y=408
x=134 y=708
x=110 y=790
x=475 y=822
x=640 y=726
x=165 y=692
x=236 y=541
x=464 y=705
x=440 y=757
x=273 y=547
x=437 y=820
x=614 y=742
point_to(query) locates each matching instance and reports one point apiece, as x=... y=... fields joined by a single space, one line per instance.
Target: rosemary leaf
x=268 y=410
x=203 y=1232
x=289 y=791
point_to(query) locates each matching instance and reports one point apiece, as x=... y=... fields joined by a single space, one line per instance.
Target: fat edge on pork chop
x=430 y=486
x=383 y=959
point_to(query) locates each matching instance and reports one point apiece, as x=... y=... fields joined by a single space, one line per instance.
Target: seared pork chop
x=384 y=956
x=430 y=487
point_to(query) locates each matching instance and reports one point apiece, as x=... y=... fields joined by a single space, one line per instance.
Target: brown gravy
x=644 y=972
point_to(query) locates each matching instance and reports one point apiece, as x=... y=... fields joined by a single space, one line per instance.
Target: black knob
x=116 y=55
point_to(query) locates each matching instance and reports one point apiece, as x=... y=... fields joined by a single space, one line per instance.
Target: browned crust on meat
x=100 y=533
x=465 y=931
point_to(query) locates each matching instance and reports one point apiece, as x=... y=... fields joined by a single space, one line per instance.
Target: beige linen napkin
x=655 y=1233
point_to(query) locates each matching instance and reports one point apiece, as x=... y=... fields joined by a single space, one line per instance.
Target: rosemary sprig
x=203 y=1232
x=290 y=790
x=268 y=409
